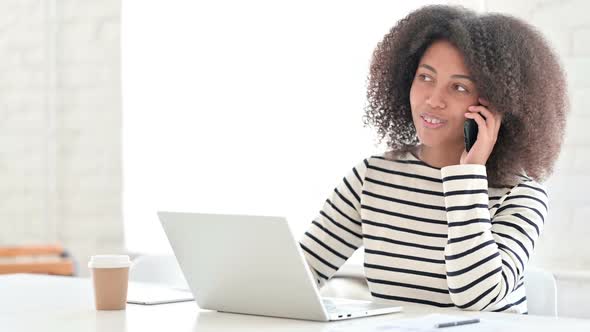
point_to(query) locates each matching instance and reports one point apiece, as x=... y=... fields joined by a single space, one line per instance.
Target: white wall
x=60 y=109
x=250 y=107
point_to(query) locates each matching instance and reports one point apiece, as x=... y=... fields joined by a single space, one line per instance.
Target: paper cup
x=110 y=275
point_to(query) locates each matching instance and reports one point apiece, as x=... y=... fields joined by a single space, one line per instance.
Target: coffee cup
x=110 y=275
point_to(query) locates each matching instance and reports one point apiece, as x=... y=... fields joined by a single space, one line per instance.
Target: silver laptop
x=253 y=265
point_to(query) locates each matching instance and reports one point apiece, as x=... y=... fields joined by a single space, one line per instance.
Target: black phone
x=470 y=131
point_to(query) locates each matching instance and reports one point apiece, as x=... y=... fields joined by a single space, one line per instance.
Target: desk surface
x=50 y=303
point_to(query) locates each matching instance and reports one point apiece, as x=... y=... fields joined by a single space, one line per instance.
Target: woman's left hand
x=488 y=124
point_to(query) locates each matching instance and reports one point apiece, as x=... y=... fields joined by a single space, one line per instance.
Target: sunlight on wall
x=243 y=107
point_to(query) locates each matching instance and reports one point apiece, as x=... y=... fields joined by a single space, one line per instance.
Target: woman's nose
x=435 y=100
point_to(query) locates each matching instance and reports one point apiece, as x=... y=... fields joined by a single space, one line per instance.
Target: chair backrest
x=160 y=269
x=541 y=292
x=43 y=259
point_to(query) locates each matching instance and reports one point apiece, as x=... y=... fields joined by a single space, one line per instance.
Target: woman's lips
x=432 y=125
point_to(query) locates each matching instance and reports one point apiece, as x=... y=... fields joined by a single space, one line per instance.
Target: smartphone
x=470 y=132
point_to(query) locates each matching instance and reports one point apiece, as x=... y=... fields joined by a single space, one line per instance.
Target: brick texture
x=60 y=144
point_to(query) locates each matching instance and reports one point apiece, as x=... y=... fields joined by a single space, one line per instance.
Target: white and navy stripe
x=434 y=236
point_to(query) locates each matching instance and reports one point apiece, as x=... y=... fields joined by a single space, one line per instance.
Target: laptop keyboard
x=333 y=305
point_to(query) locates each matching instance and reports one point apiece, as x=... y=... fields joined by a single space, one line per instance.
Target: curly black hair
x=514 y=68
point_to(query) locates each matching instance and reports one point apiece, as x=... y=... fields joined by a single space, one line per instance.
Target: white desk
x=49 y=303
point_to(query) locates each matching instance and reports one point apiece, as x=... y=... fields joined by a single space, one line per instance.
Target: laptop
x=253 y=265
x=150 y=293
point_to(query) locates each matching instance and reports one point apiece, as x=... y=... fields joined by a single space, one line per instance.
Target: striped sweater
x=435 y=236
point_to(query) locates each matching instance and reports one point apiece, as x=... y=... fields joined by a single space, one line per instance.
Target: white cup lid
x=109 y=261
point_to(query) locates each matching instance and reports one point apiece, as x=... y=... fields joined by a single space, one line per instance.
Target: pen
x=457 y=323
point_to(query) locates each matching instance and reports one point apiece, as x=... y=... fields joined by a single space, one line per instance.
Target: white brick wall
x=563 y=248
x=60 y=128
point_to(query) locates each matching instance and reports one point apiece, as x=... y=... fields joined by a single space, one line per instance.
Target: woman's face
x=441 y=93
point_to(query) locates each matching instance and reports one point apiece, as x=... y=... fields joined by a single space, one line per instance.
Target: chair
x=541 y=292
x=41 y=259
x=158 y=269
x=541 y=289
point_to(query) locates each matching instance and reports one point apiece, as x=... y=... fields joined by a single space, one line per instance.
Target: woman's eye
x=461 y=87
x=424 y=77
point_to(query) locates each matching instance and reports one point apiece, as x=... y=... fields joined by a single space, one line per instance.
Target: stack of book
x=45 y=259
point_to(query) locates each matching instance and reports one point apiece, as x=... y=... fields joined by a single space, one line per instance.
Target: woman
x=440 y=225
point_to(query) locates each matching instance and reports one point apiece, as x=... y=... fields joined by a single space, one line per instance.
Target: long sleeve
x=335 y=234
x=486 y=257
